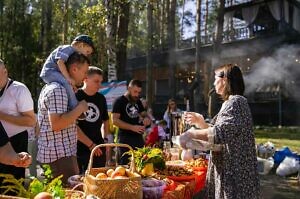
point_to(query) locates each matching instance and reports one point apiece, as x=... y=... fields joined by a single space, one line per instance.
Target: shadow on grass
x=276 y=187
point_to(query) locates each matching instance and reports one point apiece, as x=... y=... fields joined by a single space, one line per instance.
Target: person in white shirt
x=16 y=116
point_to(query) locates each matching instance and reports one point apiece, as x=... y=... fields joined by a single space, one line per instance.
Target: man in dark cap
x=54 y=69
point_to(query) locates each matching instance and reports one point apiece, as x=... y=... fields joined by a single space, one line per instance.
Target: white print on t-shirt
x=132 y=110
x=93 y=113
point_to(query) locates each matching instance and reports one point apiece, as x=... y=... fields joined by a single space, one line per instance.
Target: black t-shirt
x=129 y=113
x=3 y=136
x=96 y=114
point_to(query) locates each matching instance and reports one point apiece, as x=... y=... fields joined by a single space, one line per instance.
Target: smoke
x=282 y=67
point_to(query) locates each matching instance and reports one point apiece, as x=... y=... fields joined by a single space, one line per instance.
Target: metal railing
x=229 y=3
x=237 y=34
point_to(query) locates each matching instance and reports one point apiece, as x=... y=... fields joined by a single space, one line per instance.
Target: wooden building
x=272 y=37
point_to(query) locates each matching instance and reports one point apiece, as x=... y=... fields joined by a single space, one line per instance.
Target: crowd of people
x=72 y=118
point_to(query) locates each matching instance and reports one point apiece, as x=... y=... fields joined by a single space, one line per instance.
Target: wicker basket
x=112 y=188
x=74 y=194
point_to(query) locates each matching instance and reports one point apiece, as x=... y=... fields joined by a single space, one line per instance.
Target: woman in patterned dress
x=232 y=171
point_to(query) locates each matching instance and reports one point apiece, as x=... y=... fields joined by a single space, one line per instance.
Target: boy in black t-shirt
x=91 y=125
x=130 y=116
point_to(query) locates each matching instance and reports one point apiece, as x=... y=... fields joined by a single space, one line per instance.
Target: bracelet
x=91 y=145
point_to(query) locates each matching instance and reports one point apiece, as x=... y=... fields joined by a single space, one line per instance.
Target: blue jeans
x=55 y=76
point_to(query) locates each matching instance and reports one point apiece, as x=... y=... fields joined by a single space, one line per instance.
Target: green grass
x=280 y=137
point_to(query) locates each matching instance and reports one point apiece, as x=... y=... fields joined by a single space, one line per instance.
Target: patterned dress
x=232 y=172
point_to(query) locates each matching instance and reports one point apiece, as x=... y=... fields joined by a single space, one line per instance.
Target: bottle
x=166 y=146
x=187 y=126
x=187 y=105
x=166 y=149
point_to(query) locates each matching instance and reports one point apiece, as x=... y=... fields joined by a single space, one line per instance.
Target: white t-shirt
x=15 y=100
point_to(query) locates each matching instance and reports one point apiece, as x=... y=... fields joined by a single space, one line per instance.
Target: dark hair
x=135 y=82
x=77 y=58
x=235 y=82
x=85 y=39
x=162 y=122
x=94 y=70
x=171 y=100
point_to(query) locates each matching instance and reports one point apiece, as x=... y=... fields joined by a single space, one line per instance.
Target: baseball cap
x=85 y=39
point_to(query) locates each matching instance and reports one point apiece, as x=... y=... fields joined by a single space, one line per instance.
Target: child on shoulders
x=54 y=69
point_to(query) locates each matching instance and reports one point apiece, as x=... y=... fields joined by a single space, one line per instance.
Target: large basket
x=130 y=188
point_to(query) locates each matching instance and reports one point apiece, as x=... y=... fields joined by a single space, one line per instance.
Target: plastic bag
x=265 y=150
x=264 y=166
x=288 y=166
x=280 y=155
x=198 y=144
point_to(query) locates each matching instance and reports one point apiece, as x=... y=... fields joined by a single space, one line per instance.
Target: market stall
x=149 y=175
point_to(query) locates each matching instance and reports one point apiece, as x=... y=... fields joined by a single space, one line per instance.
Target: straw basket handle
x=78 y=185
x=132 y=163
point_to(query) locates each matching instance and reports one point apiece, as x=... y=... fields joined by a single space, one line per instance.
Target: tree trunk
x=171 y=45
x=198 y=89
x=46 y=24
x=182 y=20
x=111 y=39
x=171 y=24
x=220 y=24
x=213 y=105
x=149 y=85
x=165 y=24
x=206 y=20
x=1 y=30
x=157 y=27
x=135 y=30
x=65 y=23
x=23 y=56
x=124 y=7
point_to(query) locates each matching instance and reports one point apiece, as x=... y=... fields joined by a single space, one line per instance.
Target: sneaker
x=82 y=117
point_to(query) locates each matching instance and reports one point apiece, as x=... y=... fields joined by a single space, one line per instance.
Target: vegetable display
x=48 y=184
x=146 y=156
